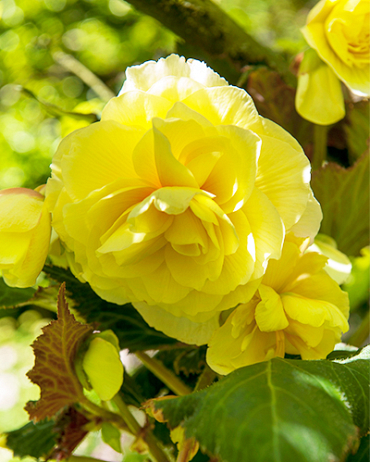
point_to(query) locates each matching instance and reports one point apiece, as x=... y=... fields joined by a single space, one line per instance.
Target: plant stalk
x=137 y=430
x=105 y=414
x=320 y=145
x=164 y=374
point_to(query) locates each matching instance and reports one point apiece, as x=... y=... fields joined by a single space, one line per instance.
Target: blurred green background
x=59 y=56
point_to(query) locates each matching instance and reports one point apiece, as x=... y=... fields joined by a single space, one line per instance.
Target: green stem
x=164 y=374
x=83 y=459
x=105 y=414
x=73 y=65
x=137 y=430
x=362 y=332
x=320 y=145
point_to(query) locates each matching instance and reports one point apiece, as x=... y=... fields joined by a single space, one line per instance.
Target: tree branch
x=204 y=24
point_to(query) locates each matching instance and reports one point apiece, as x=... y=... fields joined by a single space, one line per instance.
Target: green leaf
x=190 y=361
x=13 y=296
x=344 y=198
x=53 y=372
x=356 y=128
x=111 y=436
x=131 y=329
x=289 y=410
x=57 y=111
x=362 y=454
x=33 y=439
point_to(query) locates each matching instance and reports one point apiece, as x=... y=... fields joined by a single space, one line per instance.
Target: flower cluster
x=179 y=201
x=338 y=34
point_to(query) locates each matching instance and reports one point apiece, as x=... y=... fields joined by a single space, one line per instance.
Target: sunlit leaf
x=287 y=410
x=53 y=372
x=344 y=198
x=57 y=111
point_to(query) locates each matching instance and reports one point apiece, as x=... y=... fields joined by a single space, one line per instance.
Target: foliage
x=344 y=195
x=290 y=409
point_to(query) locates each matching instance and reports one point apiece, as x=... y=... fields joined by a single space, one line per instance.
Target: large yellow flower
x=178 y=198
x=298 y=309
x=24 y=235
x=339 y=31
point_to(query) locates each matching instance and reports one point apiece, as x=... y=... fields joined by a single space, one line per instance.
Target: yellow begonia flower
x=24 y=235
x=178 y=198
x=298 y=309
x=319 y=96
x=339 y=31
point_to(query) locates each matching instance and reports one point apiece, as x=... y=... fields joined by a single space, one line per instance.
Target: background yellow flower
x=339 y=31
x=298 y=309
x=24 y=235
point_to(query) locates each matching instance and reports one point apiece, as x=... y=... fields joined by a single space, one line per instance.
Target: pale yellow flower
x=339 y=31
x=24 y=235
x=298 y=309
x=179 y=197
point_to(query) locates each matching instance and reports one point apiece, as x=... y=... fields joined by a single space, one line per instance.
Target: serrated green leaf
x=190 y=361
x=12 y=296
x=35 y=440
x=131 y=329
x=289 y=410
x=344 y=198
x=53 y=372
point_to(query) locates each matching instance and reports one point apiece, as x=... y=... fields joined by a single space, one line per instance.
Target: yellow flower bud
x=319 y=96
x=102 y=365
x=24 y=235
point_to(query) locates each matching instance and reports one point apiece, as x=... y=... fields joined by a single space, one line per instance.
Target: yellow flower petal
x=318 y=84
x=267 y=230
x=239 y=111
x=185 y=330
x=135 y=108
x=269 y=313
x=283 y=175
x=96 y=156
x=144 y=76
x=313 y=312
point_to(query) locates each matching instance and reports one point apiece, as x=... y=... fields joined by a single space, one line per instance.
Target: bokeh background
x=60 y=61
